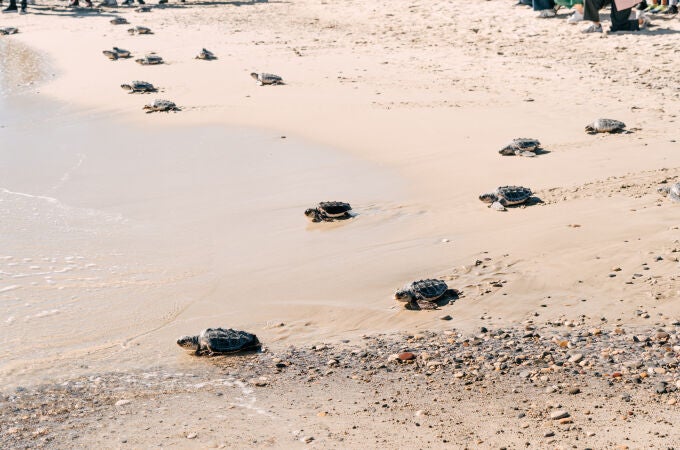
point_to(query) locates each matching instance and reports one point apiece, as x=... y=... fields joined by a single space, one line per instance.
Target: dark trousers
x=620 y=22
x=540 y=5
x=13 y=4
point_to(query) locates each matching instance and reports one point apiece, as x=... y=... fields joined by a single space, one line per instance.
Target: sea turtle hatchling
x=139 y=86
x=140 y=30
x=116 y=53
x=8 y=30
x=110 y=54
x=118 y=21
x=329 y=211
x=143 y=9
x=521 y=147
x=605 y=126
x=150 y=60
x=267 y=78
x=506 y=196
x=215 y=341
x=423 y=294
x=159 y=105
x=672 y=191
x=206 y=54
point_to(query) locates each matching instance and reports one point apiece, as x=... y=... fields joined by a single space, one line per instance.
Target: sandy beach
x=123 y=230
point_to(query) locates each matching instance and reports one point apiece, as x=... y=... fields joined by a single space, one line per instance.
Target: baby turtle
x=329 y=211
x=143 y=9
x=8 y=30
x=267 y=78
x=161 y=106
x=423 y=294
x=605 y=126
x=150 y=60
x=139 y=86
x=672 y=191
x=506 y=196
x=140 y=30
x=119 y=21
x=206 y=54
x=216 y=341
x=521 y=147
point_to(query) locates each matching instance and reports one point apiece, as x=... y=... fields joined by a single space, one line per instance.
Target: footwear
x=594 y=28
x=642 y=5
x=673 y=9
x=657 y=9
x=546 y=13
x=10 y=9
x=141 y=2
x=575 y=18
x=645 y=22
x=22 y=11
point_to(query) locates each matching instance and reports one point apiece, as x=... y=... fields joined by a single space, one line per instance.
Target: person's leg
x=591 y=9
x=12 y=6
x=545 y=7
x=23 y=6
x=620 y=20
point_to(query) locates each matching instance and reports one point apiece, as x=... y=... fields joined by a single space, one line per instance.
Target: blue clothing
x=540 y=5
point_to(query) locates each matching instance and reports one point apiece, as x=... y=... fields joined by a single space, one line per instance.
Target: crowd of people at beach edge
x=631 y=18
x=21 y=8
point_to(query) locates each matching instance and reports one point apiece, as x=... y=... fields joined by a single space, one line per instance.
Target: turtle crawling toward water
x=116 y=53
x=506 y=196
x=521 y=147
x=139 y=86
x=423 y=294
x=8 y=30
x=140 y=30
x=216 y=341
x=605 y=126
x=150 y=60
x=672 y=191
x=206 y=54
x=267 y=78
x=119 y=21
x=161 y=106
x=329 y=211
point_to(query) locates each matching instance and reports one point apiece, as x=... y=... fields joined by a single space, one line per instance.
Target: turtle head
x=189 y=343
x=126 y=86
x=254 y=75
x=312 y=214
x=403 y=295
x=489 y=198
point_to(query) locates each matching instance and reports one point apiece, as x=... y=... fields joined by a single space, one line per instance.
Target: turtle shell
x=119 y=21
x=526 y=144
x=429 y=289
x=161 y=105
x=269 y=78
x=206 y=54
x=514 y=195
x=334 y=209
x=142 y=86
x=605 y=126
x=221 y=340
x=674 y=192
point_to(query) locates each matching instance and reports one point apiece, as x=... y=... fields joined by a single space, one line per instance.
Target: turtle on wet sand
x=8 y=30
x=423 y=294
x=139 y=86
x=329 y=211
x=506 y=196
x=206 y=54
x=149 y=60
x=267 y=78
x=159 y=105
x=605 y=126
x=216 y=341
x=119 y=21
x=672 y=191
x=140 y=30
x=521 y=147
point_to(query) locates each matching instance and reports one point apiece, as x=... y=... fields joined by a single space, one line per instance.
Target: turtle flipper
x=498 y=206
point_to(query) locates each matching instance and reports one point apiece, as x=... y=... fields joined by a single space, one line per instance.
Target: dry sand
x=125 y=230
